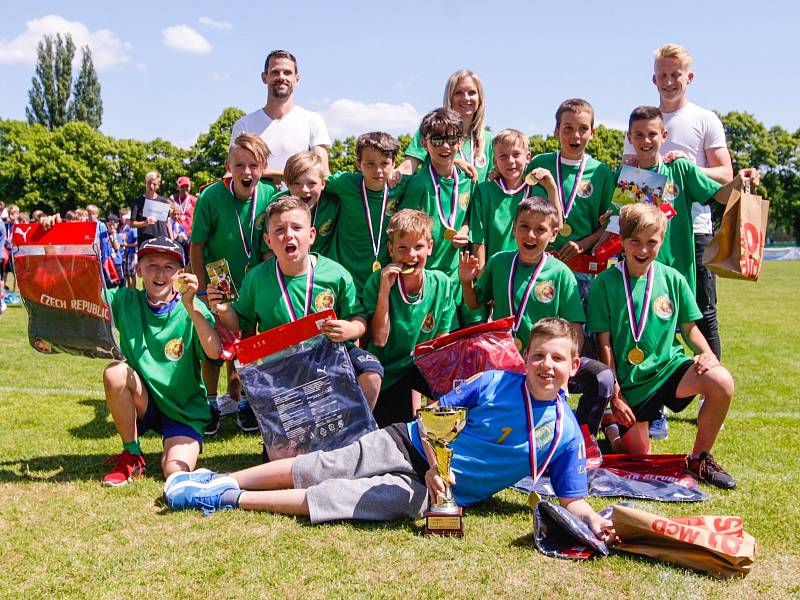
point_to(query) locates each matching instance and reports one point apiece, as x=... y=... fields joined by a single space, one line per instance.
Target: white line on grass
x=4 y=389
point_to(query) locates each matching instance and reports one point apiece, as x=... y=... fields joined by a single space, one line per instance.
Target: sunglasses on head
x=438 y=140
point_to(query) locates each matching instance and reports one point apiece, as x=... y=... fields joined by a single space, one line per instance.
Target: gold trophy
x=441 y=425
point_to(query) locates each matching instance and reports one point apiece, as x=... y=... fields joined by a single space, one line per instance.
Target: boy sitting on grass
x=392 y=473
x=163 y=334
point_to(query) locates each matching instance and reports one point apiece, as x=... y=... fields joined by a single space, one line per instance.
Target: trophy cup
x=441 y=425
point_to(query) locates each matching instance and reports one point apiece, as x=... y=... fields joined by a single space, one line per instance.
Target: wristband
x=200 y=293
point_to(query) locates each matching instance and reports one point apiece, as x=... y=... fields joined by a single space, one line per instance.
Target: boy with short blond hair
x=406 y=304
x=639 y=343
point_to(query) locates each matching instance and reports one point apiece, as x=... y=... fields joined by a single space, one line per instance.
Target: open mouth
x=247 y=182
x=408 y=268
x=546 y=377
x=529 y=245
x=290 y=249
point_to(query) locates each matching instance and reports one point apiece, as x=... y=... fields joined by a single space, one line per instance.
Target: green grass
x=62 y=534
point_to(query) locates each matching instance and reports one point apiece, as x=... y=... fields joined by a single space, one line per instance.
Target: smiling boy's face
x=641 y=248
x=646 y=136
x=411 y=249
x=533 y=232
x=157 y=272
x=290 y=235
x=442 y=149
x=550 y=364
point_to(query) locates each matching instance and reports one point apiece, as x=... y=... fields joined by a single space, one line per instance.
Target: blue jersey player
x=392 y=473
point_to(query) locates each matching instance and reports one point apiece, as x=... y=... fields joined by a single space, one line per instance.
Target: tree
x=86 y=104
x=210 y=152
x=52 y=83
x=342 y=155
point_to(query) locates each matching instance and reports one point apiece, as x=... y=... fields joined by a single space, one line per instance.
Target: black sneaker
x=246 y=420
x=705 y=468
x=213 y=428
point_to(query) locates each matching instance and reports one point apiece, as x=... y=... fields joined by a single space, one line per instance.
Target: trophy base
x=450 y=524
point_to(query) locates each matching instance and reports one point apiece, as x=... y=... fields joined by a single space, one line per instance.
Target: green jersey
x=231 y=228
x=262 y=302
x=324 y=217
x=671 y=303
x=412 y=320
x=592 y=197
x=491 y=216
x=165 y=350
x=421 y=195
x=482 y=164
x=357 y=237
x=554 y=293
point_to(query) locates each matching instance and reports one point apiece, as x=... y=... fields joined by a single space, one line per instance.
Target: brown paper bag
x=716 y=545
x=737 y=249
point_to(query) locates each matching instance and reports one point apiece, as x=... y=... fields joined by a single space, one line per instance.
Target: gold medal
x=566 y=230
x=180 y=286
x=376 y=266
x=407 y=269
x=530 y=179
x=533 y=499
x=518 y=343
x=449 y=234
x=636 y=356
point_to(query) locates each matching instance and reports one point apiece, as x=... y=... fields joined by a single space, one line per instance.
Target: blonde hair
x=635 y=218
x=409 y=220
x=253 y=144
x=300 y=163
x=674 y=51
x=554 y=328
x=476 y=130
x=92 y=210
x=511 y=137
x=151 y=175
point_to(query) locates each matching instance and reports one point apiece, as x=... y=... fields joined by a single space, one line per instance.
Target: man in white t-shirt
x=697 y=134
x=284 y=127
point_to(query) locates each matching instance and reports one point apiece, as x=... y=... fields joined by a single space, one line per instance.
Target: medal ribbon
x=254 y=198
x=567 y=205
x=515 y=191
x=558 y=430
x=638 y=325
x=520 y=310
x=376 y=245
x=449 y=222
x=404 y=295
x=471 y=150
x=287 y=300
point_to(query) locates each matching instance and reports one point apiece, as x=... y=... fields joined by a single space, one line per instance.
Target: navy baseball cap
x=162 y=245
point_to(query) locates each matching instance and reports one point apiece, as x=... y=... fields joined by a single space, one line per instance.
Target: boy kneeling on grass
x=392 y=473
x=163 y=335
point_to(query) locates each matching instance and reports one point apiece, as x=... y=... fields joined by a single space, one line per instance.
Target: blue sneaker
x=201 y=496
x=198 y=476
x=659 y=429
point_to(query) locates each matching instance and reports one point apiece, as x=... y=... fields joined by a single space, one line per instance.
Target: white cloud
x=209 y=22
x=185 y=39
x=107 y=49
x=184 y=144
x=352 y=117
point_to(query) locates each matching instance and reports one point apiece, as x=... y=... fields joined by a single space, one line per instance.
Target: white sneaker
x=2 y=307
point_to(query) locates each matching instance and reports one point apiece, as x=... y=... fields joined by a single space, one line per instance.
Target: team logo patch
x=671 y=191
x=544 y=434
x=463 y=200
x=545 y=292
x=324 y=300
x=392 y=205
x=260 y=220
x=429 y=323
x=585 y=189
x=174 y=349
x=663 y=307
x=325 y=229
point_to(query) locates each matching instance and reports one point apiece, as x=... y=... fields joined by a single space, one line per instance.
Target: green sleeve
x=448 y=321
x=371 y=294
x=415 y=149
x=607 y=192
x=198 y=347
x=337 y=181
x=415 y=193
x=687 y=309
x=476 y=231
x=245 y=306
x=599 y=318
x=570 y=306
x=700 y=187
x=483 y=286
x=201 y=222
x=348 y=305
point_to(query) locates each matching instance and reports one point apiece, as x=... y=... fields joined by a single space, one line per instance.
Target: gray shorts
x=370 y=479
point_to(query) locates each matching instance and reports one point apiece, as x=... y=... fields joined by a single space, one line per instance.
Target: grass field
x=64 y=535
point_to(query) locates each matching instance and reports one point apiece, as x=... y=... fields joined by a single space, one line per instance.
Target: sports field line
x=5 y=389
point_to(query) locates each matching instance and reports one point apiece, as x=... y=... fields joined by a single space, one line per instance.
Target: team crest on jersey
x=325 y=229
x=545 y=292
x=324 y=300
x=663 y=307
x=544 y=434
x=429 y=323
x=671 y=191
x=391 y=206
x=173 y=350
x=260 y=220
x=585 y=189
x=463 y=200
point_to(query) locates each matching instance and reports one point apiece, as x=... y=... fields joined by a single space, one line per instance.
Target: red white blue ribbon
x=448 y=222
x=376 y=245
x=404 y=295
x=638 y=325
x=519 y=311
x=287 y=299
x=247 y=245
x=567 y=204
x=514 y=191
x=558 y=431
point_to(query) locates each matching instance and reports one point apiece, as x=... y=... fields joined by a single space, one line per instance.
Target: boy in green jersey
x=229 y=223
x=529 y=284
x=304 y=173
x=163 y=334
x=686 y=183
x=367 y=201
x=295 y=283
x=494 y=202
x=406 y=304
x=634 y=309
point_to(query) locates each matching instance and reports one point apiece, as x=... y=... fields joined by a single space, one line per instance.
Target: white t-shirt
x=299 y=130
x=693 y=130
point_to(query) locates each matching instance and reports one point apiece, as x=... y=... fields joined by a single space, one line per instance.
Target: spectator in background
x=149 y=227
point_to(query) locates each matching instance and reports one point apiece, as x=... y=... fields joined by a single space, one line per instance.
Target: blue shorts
x=364 y=362
x=157 y=421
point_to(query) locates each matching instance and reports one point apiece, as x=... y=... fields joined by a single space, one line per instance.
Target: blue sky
x=168 y=69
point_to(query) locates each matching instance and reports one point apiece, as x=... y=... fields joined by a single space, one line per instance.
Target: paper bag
x=716 y=545
x=737 y=249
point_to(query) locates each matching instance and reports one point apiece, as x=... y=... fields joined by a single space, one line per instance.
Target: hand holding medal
x=186 y=284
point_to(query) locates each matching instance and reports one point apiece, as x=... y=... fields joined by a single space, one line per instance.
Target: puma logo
x=24 y=233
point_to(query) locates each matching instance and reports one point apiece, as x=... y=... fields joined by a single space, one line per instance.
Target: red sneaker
x=127 y=467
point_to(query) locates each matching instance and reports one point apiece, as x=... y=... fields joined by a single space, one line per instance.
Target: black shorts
x=650 y=409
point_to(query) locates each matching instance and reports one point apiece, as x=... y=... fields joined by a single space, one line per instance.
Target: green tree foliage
x=86 y=104
x=210 y=152
x=342 y=155
x=52 y=84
